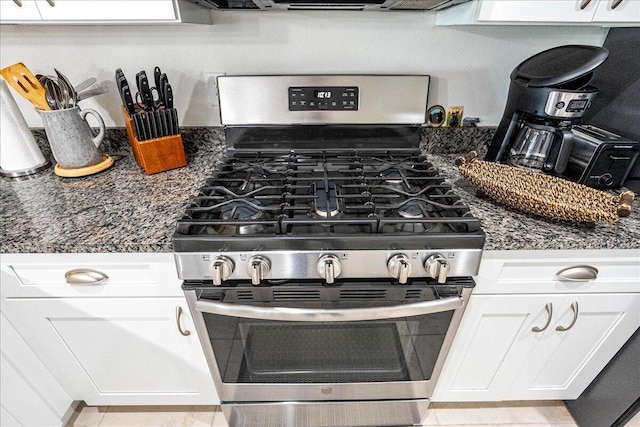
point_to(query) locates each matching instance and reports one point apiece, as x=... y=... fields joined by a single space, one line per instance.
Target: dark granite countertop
x=124 y=210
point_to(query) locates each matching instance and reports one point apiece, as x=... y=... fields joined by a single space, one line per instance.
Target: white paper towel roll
x=18 y=149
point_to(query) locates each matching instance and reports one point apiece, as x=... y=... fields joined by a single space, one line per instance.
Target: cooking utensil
x=65 y=84
x=144 y=91
x=85 y=84
x=167 y=95
x=26 y=84
x=57 y=99
x=91 y=93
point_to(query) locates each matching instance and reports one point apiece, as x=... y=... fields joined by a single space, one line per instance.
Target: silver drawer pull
x=584 y=3
x=185 y=332
x=18 y=2
x=578 y=273
x=574 y=307
x=549 y=308
x=85 y=276
x=615 y=4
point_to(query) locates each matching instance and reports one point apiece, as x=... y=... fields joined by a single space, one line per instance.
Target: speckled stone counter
x=124 y=210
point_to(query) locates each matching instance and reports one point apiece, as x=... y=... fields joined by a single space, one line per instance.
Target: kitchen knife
x=144 y=90
x=176 y=128
x=153 y=126
x=127 y=99
x=167 y=94
x=162 y=123
x=158 y=87
x=156 y=77
x=169 y=120
x=139 y=128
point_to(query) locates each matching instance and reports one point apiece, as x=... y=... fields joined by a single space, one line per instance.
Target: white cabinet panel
x=627 y=11
x=496 y=354
x=565 y=362
x=128 y=275
x=106 y=10
x=536 y=11
x=542 y=12
x=15 y=11
x=117 y=351
x=493 y=341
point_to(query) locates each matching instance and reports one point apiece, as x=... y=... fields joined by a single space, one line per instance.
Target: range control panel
x=323 y=98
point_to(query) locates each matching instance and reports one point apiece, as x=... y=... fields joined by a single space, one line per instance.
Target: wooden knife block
x=157 y=154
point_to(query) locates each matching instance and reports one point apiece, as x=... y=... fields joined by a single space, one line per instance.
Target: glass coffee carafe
x=531 y=147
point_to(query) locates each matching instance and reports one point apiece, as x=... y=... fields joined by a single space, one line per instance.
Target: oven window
x=256 y=351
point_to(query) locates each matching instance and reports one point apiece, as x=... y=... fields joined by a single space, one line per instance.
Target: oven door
x=318 y=344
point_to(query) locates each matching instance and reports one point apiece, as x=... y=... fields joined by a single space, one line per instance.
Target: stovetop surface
x=313 y=199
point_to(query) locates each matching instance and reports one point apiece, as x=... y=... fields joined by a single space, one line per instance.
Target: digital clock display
x=322 y=94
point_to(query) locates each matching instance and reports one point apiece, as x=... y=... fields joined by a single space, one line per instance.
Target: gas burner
x=392 y=176
x=418 y=210
x=326 y=201
x=244 y=209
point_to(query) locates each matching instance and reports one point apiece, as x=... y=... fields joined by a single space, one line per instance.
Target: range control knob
x=437 y=267
x=399 y=267
x=329 y=267
x=221 y=269
x=257 y=268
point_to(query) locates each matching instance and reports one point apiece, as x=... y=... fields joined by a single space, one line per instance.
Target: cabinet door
x=116 y=351
x=536 y=11
x=493 y=342
x=564 y=363
x=627 y=11
x=107 y=10
x=18 y=11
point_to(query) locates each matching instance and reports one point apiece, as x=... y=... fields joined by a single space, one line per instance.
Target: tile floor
x=527 y=414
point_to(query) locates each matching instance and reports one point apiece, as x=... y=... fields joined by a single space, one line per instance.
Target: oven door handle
x=287 y=314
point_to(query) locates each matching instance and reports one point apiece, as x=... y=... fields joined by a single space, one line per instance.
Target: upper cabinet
x=543 y=12
x=101 y=12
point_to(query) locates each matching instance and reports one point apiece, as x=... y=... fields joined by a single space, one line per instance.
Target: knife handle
x=127 y=99
x=168 y=95
x=156 y=77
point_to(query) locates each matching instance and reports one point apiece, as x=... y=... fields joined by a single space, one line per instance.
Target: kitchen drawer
x=74 y=275
x=528 y=272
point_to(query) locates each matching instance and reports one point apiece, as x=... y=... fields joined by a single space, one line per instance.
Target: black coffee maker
x=549 y=93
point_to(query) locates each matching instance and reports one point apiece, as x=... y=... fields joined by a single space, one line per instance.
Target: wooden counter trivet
x=542 y=194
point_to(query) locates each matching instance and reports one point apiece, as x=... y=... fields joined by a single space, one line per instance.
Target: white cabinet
x=543 y=12
x=102 y=11
x=109 y=343
x=498 y=355
x=19 y=10
x=612 y=11
x=29 y=395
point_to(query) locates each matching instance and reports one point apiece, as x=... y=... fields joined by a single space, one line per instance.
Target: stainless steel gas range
x=326 y=262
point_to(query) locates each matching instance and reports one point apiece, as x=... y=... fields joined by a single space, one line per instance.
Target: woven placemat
x=541 y=194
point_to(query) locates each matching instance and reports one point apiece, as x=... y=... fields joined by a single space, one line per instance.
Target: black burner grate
x=326 y=193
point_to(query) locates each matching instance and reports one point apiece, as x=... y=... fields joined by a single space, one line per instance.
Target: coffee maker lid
x=560 y=65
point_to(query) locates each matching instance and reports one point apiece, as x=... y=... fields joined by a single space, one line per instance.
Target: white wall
x=470 y=65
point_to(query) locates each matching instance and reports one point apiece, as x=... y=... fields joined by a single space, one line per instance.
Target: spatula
x=26 y=84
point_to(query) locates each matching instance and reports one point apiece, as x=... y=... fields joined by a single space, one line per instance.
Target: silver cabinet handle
x=615 y=4
x=329 y=315
x=549 y=308
x=584 y=3
x=18 y=3
x=85 y=276
x=187 y=332
x=578 y=273
x=52 y=3
x=574 y=307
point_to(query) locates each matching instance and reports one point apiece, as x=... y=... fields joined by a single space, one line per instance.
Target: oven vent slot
x=413 y=294
x=363 y=294
x=244 y=295
x=302 y=294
